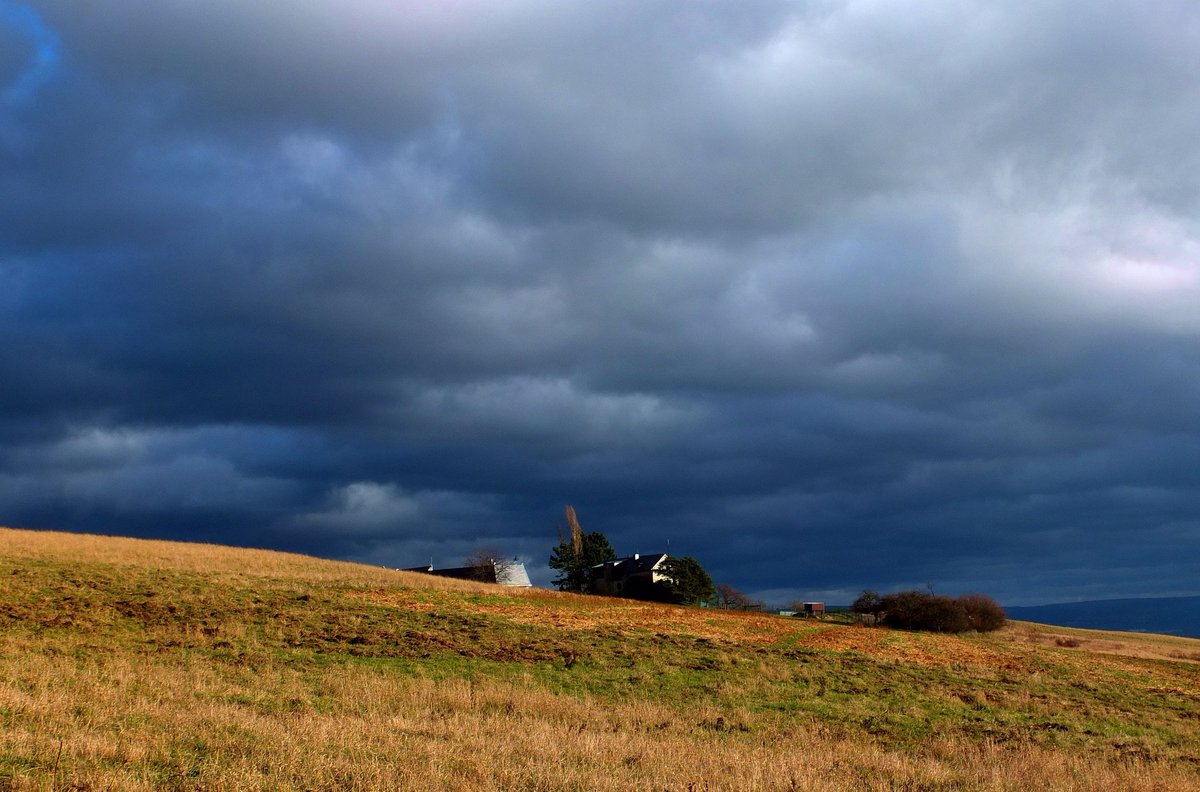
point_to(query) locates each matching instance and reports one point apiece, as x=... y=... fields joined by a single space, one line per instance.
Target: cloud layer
x=829 y=295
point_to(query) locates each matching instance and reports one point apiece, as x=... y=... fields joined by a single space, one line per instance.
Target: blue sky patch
x=42 y=65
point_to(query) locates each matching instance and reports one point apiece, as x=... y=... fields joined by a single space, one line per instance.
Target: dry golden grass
x=1124 y=644
x=207 y=559
x=119 y=722
x=194 y=667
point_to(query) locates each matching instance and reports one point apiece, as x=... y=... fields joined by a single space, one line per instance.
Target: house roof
x=461 y=573
x=506 y=573
x=631 y=565
x=512 y=573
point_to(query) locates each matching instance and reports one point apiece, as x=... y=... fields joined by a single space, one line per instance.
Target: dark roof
x=631 y=565
x=506 y=573
x=465 y=573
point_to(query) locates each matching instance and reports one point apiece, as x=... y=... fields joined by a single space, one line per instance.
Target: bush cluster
x=920 y=610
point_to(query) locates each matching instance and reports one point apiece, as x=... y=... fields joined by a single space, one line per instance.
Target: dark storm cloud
x=828 y=295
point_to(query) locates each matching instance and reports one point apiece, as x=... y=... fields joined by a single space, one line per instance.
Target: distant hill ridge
x=1165 y=615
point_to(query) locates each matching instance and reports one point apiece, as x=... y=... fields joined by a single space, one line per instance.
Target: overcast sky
x=829 y=295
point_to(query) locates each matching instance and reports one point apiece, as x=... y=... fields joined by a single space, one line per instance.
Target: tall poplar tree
x=575 y=556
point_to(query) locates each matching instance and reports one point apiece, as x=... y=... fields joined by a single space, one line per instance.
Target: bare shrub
x=921 y=610
x=482 y=563
x=729 y=598
x=983 y=612
x=869 y=604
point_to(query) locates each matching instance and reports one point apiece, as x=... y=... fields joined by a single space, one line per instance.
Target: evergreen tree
x=689 y=584
x=575 y=569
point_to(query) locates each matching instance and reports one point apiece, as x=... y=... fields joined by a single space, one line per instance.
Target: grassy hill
x=128 y=664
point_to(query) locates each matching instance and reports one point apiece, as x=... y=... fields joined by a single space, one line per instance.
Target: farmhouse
x=506 y=573
x=627 y=575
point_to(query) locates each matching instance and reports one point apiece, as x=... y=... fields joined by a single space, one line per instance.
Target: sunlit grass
x=153 y=665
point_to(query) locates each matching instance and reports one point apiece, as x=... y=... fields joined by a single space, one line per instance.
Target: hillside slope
x=128 y=664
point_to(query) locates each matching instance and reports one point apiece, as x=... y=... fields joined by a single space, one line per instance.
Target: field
x=128 y=664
